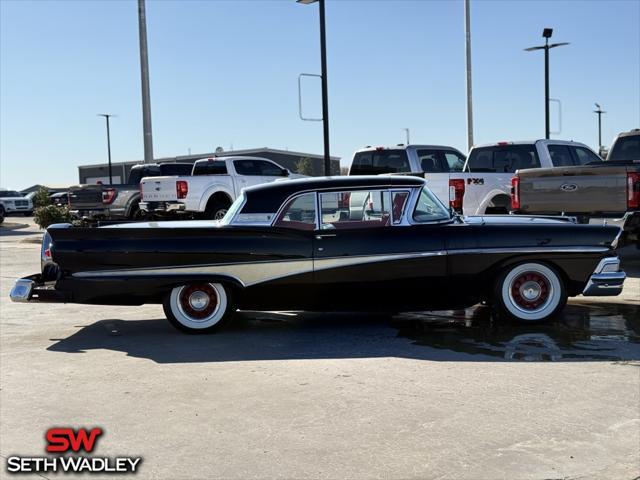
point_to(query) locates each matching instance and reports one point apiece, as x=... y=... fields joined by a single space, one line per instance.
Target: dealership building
x=311 y=164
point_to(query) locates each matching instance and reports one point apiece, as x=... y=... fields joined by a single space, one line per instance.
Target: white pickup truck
x=211 y=188
x=485 y=182
x=479 y=184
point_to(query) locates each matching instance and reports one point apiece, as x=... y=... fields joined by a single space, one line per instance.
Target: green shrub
x=50 y=214
x=41 y=198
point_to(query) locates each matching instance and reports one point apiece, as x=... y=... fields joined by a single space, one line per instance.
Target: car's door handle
x=325 y=235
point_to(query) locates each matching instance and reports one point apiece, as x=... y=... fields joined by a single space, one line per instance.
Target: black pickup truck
x=92 y=203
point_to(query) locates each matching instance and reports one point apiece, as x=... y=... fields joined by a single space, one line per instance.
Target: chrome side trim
x=572 y=249
x=253 y=273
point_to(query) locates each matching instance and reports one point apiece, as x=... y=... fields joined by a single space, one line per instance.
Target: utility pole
x=599 y=112
x=144 y=74
x=107 y=116
x=467 y=25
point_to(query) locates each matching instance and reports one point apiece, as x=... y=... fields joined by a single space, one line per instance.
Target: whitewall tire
x=198 y=307
x=530 y=292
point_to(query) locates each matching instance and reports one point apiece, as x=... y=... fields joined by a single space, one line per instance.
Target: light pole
x=107 y=116
x=599 y=112
x=144 y=77
x=325 y=97
x=546 y=33
x=408 y=132
x=467 y=28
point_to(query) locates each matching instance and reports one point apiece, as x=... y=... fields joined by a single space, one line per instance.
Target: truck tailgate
x=84 y=197
x=159 y=189
x=573 y=190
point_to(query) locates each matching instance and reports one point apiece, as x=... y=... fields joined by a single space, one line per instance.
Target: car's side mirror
x=285 y=172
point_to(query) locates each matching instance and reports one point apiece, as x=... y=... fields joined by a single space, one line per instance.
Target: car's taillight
x=456 y=193
x=633 y=190
x=182 y=188
x=108 y=195
x=515 y=193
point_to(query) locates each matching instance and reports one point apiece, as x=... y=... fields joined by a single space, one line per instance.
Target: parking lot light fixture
x=546 y=34
x=599 y=112
x=325 y=99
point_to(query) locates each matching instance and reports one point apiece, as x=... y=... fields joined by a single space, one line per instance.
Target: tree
x=304 y=166
x=41 y=198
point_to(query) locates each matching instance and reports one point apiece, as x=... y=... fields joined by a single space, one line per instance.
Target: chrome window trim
x=288 y=200
x=404 y=208
x=232 y=221
x=383 y=190
x=414 y=205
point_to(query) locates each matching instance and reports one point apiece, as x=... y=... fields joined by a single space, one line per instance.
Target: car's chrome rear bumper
x=607 y=279
x=32 y=289
x=161 y=207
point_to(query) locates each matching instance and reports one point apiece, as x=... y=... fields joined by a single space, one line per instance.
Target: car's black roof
x=268 y=197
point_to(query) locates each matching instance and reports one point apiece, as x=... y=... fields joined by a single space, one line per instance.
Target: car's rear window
x=380 y=161
x=177 y=169
x=210 y=168
x=502 y=158
x=625 y=148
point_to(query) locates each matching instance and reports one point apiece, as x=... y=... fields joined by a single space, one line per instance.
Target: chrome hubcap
x=199 y=300
x=530 y=291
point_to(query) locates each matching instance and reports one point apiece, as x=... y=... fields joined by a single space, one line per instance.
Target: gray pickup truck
x=603 y=192
x=91 y=203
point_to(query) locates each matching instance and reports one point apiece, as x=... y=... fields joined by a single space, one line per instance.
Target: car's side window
x=299 y=213
x=454 y=161
x=429 y=161
x=585 y=156
x=398 y=204
x=247 y=167
x=560 y=156
x=354 y=209
x=269 y=169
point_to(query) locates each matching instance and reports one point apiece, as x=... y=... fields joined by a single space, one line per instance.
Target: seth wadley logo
x=67 y=440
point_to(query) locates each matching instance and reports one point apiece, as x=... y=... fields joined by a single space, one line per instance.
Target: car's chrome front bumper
x=32 y=289
x=607 y=280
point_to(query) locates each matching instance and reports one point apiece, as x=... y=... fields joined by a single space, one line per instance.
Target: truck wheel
x=136 y=214
x=529 y=292
x=216 y=210
x=198 y=307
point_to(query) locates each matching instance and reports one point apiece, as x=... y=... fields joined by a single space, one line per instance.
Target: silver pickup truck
x=91 y=203
x=602 y=192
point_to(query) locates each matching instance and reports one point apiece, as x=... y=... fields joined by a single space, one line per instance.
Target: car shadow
x=608 y=332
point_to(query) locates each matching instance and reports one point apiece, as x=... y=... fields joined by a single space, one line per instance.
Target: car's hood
x=516 y=220
x=170 y=224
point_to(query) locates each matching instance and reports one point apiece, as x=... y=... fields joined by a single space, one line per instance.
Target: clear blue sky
x=225 y=72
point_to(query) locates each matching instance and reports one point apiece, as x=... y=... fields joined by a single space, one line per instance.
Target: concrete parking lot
x=286 y=395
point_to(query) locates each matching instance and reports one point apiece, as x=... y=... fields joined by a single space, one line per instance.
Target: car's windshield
x=625 y=148
x=233 y=209
x=429 y=208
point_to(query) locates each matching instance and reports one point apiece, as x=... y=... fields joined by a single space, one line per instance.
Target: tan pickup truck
x=606 y=192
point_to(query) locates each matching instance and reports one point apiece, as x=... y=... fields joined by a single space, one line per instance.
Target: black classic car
x=329 y=244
